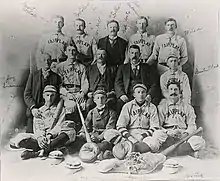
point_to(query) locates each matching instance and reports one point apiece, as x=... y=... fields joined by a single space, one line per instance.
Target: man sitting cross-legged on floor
x=49 y=134
x=98 y=120
x=177 y=118
x=136 y=126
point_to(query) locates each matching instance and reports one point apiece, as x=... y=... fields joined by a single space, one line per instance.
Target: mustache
x=174 y=94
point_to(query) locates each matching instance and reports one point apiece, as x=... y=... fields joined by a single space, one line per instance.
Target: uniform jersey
x=180 y=115
x=184 y=84
x=73 y=74
x=165 y=45
x=53 y=44
x=145 y=42
x=134 y=116
x=46 y=124
x=86 y=45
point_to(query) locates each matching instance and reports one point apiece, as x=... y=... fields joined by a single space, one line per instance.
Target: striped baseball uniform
x=53 y=44
x=184 y=84
x=138 y=121
x=164 y=45
x=86 y=45
x=145 y=41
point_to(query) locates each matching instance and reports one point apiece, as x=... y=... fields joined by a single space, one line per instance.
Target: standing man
x=33 y=93
x=143 y=39
x=74 y=84
x=101 y=77
x=114 y=45
x=166 y=44
x=132 y=73
x=54 y=43
x=86 y=44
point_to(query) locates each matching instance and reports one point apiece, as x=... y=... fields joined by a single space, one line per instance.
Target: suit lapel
x=95 y=73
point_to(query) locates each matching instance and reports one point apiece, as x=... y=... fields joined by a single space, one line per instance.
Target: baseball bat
x=174 y=146
x=88 y=139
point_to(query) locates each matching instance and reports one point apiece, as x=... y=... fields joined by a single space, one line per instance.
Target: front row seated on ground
x=49 y=133
x=139 y=129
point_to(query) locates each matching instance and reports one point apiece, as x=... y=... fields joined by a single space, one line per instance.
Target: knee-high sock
x=184 y=149
x=59 y=141
x=141 y=147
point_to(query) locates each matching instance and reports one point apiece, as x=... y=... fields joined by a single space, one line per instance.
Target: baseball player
x=167 y=43
x=86 y=44
x=98 y=120
x=178 y=120
x=54 y=43
x=49 y=133
x=137 y=124
x=179 y=75
x=74 y=83
x=143 y=39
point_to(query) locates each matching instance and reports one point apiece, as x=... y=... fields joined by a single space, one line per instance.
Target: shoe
x=29 y=154
x=107 y=154
x=100 y=156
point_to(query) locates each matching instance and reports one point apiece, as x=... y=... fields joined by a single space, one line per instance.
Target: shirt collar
x=71 y=63
x=58 y=33
x=112 y=38
x=170 y=102
x=45 y=107
x=136 y=104
x=136 y=65
x=143 y=34
x=82 y=35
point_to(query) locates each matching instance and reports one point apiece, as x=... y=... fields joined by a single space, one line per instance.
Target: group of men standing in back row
x=118 y=86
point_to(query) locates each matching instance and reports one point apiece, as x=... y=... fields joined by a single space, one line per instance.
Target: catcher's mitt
x=89 y=152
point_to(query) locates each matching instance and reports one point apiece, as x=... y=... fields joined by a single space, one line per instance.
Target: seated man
x=101 y=77
x=136 y=124
x=74 y=84
x=178 y=120
x=49 y=133
x=33 y=93
x=133 y=73
x=174 y=72
x=98 y=120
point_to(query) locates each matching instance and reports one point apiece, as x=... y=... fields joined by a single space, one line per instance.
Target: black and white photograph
x=102 y=90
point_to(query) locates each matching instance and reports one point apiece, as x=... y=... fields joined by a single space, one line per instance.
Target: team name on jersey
x=170 y=44
x=140 y=112
x=56 y=40
x=142 y=41
x=176 y=111
x=70 y=70
x=80 y=42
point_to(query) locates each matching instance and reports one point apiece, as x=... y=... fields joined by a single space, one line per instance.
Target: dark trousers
x=29 y=128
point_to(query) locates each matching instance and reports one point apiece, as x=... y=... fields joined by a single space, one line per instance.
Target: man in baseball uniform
x=114 y=45
x=143 y=39
x=54 y=43
x=174 y=72
x=177 y=119
x=136 y=125
x=167 y=43
x=85 y=43
x=74 y=84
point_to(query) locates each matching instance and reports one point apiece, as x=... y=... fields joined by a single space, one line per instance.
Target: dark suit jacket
x=93 y=77
x=33 y=93
x=149 y=78
x=114 y=59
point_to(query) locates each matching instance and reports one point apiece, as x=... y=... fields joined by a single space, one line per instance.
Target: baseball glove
x=88 y=152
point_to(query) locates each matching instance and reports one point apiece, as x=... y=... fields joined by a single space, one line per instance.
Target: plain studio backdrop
x=23 y=23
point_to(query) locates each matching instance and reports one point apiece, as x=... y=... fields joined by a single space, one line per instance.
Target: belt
x=171 y=127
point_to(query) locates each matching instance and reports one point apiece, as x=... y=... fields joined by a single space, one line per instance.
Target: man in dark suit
x=33 y=94
x=134 y=73
x=114 y=45
x=101 y=77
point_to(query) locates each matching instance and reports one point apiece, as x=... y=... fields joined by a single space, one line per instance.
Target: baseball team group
x=132 y=95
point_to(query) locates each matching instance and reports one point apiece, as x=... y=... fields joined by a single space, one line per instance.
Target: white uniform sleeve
x=190 y=119
x=183 y=53
x=155 y=53
x=163 y=85
x=84 y=81
x=186 y=90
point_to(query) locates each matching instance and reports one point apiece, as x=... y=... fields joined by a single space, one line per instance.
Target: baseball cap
x=122 y=149
x=172 y=54
x=50 y=88
x=140 y=85
x=99 y=92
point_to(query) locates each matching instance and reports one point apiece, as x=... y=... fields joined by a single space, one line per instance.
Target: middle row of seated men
x=139 y=118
